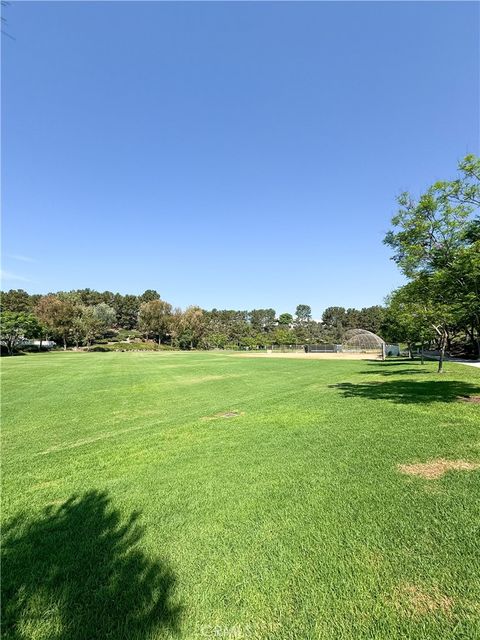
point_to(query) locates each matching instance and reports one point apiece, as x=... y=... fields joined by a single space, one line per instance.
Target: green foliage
x=154 y=318
x=284 y=336
x=303 y=313
x=126 y=309
x=57 y=314
x=131 y=346
x=82 y=316
x=14 y=326
x=192 y=327
x=262 y=320
x=18 y=301
x=436 y=244
x=285 y=319
x=149 y=295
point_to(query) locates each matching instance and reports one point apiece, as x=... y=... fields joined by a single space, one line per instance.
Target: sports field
x=197 y=495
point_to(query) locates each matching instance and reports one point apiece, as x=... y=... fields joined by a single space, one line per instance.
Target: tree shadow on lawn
x=400 y=362
x=78 y=573
x=407 y=392
x=396 y=372
x=415 y=367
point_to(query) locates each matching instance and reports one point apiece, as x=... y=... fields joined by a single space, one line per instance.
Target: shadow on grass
x=397 y=372
x=409 y=392
x=404 y=366
x=78 y=573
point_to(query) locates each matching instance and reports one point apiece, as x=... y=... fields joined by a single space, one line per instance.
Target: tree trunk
x=40 y=345
x=476 y=342
x=410 y=352
x=159 y=339
x=442 y=353
x=421 y=353
x=64 y=343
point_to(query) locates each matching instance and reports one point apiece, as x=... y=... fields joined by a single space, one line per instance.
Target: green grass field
x=132 y=509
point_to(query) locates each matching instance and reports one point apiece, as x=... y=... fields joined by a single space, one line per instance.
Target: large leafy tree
x=370 y=318
x=126 y=309
x=192 y=326
x=154 y=317
x=91 y=322
x=105 y=315
x=58 y=315
x=408 y=317
x=303 y=313
x=262 y=320
x=436 y=243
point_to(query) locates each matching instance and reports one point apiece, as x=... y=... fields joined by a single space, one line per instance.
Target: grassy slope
x=130 y=515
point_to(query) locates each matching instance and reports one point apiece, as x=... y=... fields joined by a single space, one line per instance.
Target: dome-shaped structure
x=362 y=340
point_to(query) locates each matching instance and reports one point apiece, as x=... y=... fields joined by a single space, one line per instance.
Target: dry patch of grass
x=413 y=601
x=472 y=399
x=434 y=469
x=225 y=415
x=45 y=485
x=207 y=378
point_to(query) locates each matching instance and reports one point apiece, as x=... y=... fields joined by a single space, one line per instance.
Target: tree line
x=435 y=240
x=85 y=316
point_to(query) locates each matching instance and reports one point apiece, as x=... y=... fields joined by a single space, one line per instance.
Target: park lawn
x=132 y=509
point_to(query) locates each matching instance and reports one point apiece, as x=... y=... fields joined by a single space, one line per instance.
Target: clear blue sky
x=227 y=154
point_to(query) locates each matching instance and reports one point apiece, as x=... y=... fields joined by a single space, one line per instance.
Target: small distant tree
x=174 y=327
x=126 y=309
x=370 y=318
x=57 y=315
x=214 y=340
x=304 y=313
x=16 y=326
x=262 y=319
x=408 y=319
x=91 y=324
x=149 y=295
x=105 y=315
x=335 y=320
x=154 y=317
x=192 y=326
x=18 y=300
x=285 y=319
x=283 y=336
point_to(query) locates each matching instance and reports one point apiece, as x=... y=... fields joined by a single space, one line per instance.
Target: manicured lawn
x=131 y=511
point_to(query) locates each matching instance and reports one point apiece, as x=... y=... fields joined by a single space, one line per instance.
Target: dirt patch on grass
x=413 y=601
x=472 y=399
x=434 y=469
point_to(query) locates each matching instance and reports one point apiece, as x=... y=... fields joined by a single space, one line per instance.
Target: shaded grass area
x=406 y=391
x=82 y=569
x=129 y=514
